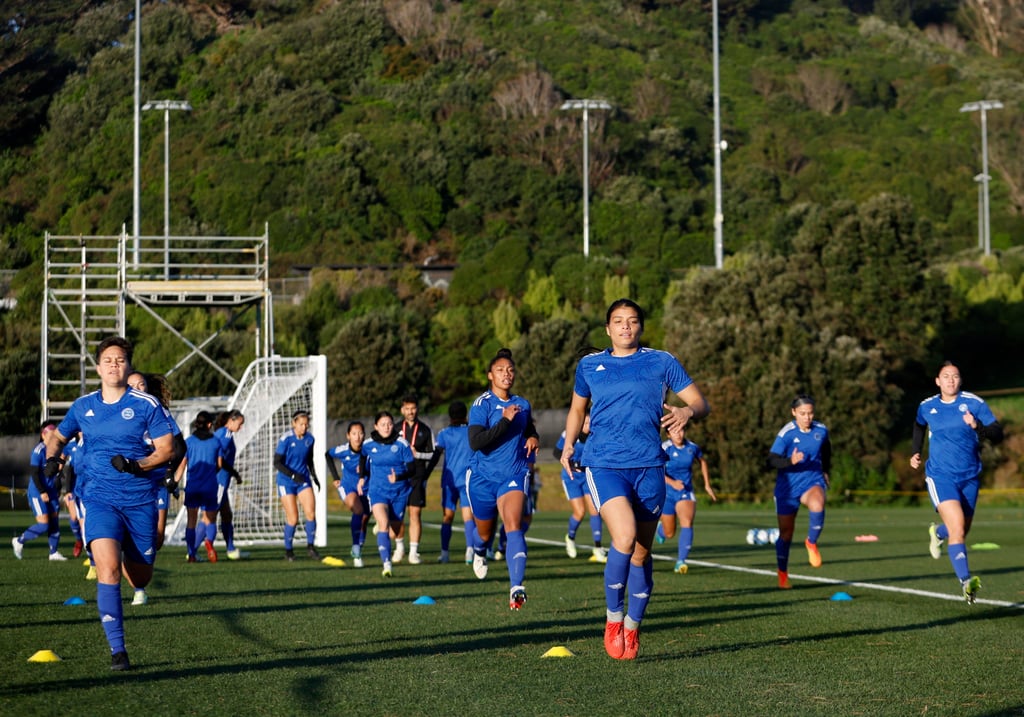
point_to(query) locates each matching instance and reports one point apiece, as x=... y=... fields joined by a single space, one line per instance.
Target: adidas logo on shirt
x=89 y=413
x=600 y=367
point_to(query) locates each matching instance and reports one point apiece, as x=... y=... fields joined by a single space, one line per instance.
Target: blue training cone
x=424 y=600
x=841 y=596
x=74 y=601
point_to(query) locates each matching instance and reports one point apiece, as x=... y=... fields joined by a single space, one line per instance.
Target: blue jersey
x=953 y=449
x=39 y=478
x=349 y=460
x=202 y=455
x=74 y=456
x=577 y=453
x=381 y=459
x=226 y=438
x=681 y=460
x=121 y=428
x=458 y=456
x=507 y=457
x=790 y=438
x=628 y=396
x=296 y=452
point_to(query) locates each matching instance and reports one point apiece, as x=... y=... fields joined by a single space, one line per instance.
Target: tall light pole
x=719 y=144
x=167 y=106
x=979 y=179
x=586 y=106
x=983 y=106
x=137 y=119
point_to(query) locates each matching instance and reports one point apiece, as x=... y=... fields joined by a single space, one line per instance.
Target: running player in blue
x=72 y=497
x=44 y=499
x=202 y=461
x=502 y=437
x=347 y=482
x=680 y=502
x=228 y=424
x=123 y=474
x=453 y=443
x=626 y=386
x=578 y=494
x=802 y=454
x=390 y=465
x=293 y=460
x=955 y=421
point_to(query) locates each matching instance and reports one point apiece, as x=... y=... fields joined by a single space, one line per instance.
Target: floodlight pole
x=167 y=106
x=137 y=121
x=982 y=106
x=586 y=106
x=719 y=144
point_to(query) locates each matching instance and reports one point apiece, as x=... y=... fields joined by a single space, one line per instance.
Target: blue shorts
x=788 y=492
x=453 y=496
x=134 y=527
x=644 y=488
x=483 y=493
x=286 y=486
x=965 y=492
x=344 y=492
x=575 y=488
x=39 y=507
x=163 y=498
x=673 y=496
x=395 y=500
x=202 y=499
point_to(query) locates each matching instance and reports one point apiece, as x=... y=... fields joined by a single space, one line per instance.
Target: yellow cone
x=559 y=651
x=44 y=656
x=333 y=562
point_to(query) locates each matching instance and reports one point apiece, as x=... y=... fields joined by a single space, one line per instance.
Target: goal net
x=271 y=390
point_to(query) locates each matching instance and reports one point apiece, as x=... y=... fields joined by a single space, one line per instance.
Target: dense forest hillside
x=386 y=135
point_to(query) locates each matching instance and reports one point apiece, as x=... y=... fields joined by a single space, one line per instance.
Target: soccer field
x=264 y=637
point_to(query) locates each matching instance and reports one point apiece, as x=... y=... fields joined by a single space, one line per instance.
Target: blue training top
x=349 y=460
x=381 y=459
x=507 y=457
x=681 y=460
x=953 y=447
x=628 y=397
x=296 y=452
x=458 y=456
x=228 y=451
x=121 y=428
x=791 y=438
x=202 y=454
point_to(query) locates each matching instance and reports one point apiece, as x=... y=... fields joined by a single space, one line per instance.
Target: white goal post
x=271 y=390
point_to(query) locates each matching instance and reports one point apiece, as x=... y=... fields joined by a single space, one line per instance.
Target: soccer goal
x=271 y=390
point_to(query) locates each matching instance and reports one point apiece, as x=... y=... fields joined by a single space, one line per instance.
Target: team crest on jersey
x=394 y=448
x=128 y=414
x=962 y=408
x=817 y=436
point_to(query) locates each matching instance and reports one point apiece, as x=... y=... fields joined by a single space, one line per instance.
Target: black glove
x=297 y=478
x=125 y=465
x=52 y=467
x=235 y=475
x=171 y=484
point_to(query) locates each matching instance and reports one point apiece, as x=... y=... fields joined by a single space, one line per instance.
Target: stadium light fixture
x=586 y=106
x=167 y=106
x=986 y=227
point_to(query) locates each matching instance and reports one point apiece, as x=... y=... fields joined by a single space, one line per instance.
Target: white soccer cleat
x=600 y=555
x=934 y=542
x=19 y=547
x=386 y=572
x=570 y=546
x=141 y=598
x=56 y=557
x=235 y=554
x=399 y=553
x=516 y=597
x=357 y=562
x=414 y=558
x=480 y=566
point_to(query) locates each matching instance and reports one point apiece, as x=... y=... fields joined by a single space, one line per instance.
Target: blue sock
x=310 y=526
x=384 y=546
x=815 y=526
x=34 y=531
x=446 y=536
x=616 y=572
x=53 y=532
x=356 y=528
x=595 y=529
x=472 y=538
x=211 y=532
x=108 y=603
x=941 y=531
x=685 y=542
x=289 y=536
x=76 y=528
x=190 y=540
x=782 y=554
x=958 y=557
x=54 y=541
x=661 y=533
x=229 y=534
x=200 y=534
x=573 y=527
x=640 y=584
x=515 y=558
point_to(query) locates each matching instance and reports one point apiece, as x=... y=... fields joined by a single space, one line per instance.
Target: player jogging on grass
x=293 y=460
x=574 y=483
x=389 y=466
x=347 y=482
x=680 y=501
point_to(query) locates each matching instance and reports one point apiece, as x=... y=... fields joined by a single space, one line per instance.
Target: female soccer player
x=203 y=460
x=502 y=436
x=575 y=486
x=955 y=422
x=680 y=502
x=228 y=424
x=625 y=386
x=123 y=474
x=347 y=483
x=389 y=464
x=453 y=443
x=44 y=499
x=293 y=460
x=802 y=454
